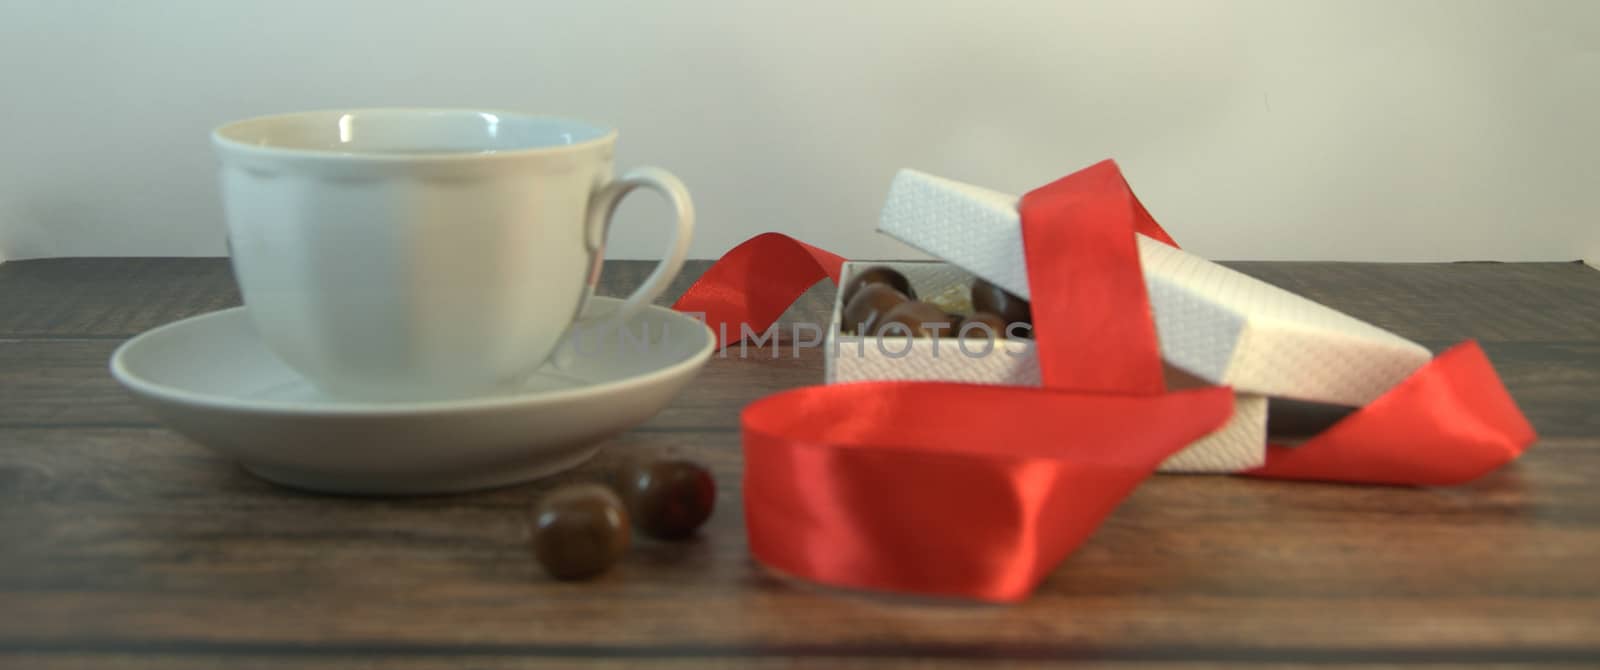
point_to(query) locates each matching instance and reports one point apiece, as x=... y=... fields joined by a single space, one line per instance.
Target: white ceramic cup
x=422 y=254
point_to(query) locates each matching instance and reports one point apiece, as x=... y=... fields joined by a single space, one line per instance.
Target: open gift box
x=1215 y=325
x=849 y=484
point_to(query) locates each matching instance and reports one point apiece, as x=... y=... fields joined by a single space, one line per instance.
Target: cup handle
x=604 y=203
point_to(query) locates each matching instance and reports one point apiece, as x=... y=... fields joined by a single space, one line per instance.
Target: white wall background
x=1272 y=129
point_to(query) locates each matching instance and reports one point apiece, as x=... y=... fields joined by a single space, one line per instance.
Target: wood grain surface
x=123 y=545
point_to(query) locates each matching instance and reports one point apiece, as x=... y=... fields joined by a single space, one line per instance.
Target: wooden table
x=123 y=545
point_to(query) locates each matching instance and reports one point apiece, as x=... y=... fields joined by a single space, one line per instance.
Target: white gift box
x=1216 y=325
x=1238 y=445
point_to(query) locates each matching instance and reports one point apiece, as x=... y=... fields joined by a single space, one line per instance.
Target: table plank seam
x=1159 y=653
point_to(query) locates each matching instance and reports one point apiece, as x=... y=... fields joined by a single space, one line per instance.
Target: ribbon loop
x=755 y=282
x=1091 y=316
x=938 y=489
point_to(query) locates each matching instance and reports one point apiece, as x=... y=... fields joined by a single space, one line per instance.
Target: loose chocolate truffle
x=916 y=319
x=974 y=326
x=876 y=274
x=868 y=307
x=667 y=499
x=987 y=297
x=579 y=531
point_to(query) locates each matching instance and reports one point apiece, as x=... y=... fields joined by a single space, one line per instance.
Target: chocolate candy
x=876 y=274
x=987 y=297
x=974 y=326
x=868 y=307
x=579 y=531
x=915 y=319
x=667 y=499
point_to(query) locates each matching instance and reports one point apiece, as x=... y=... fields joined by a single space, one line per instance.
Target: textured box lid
x=1218 y=324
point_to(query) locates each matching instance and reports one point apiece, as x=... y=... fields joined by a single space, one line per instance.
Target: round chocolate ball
x=987 y=297
x=974 y=326
x=867 y=308
x=876 y=274
x=579 y=531
x=667 y=499
x=915 y=319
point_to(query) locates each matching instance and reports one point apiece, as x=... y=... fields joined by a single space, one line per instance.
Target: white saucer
x=210 y=378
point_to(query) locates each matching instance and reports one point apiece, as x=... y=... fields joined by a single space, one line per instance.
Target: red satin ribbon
x=1450 y=422
x=755 y=282
x=949 y=489
x=978 y=491
x=1091 y=317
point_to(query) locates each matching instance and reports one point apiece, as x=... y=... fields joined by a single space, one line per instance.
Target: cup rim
x=220 y=137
